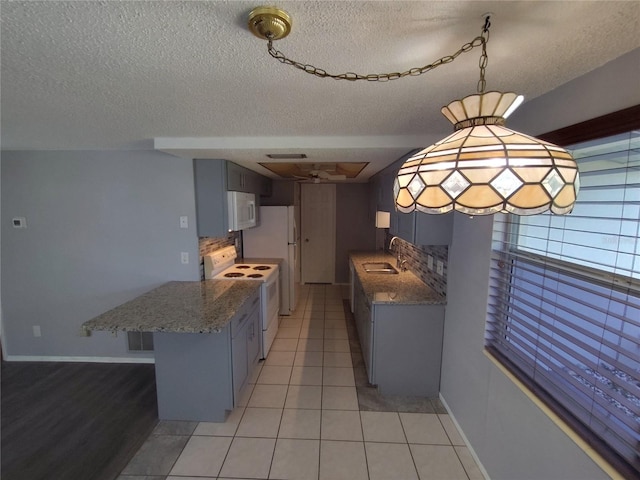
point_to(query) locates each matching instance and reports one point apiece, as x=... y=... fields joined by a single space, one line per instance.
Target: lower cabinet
x=401 y=345
x=245 y=350
x=200 y=376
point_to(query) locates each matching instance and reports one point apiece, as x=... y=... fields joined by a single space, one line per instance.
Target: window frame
x=604 y=126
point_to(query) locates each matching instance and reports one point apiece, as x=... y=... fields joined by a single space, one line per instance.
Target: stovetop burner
x=219 y=265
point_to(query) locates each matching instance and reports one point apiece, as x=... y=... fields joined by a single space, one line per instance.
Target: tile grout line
x=413 y=460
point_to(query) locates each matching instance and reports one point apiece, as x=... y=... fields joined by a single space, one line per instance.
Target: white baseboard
x=464 y=438
x=45 y=358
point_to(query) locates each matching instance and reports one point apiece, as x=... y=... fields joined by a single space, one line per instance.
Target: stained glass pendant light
x=484 y=167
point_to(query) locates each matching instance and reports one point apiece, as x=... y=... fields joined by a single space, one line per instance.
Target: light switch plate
x=430 y=262
x=184 y=257
x=19 y=222
x=440 y=267
x=184 y=221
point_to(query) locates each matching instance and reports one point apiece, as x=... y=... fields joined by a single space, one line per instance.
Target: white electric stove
x=220 y=265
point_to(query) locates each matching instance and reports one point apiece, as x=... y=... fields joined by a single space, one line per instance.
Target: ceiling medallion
x=480 y=169
x=269 y=23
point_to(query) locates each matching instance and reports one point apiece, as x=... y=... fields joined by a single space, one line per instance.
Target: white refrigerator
x=277 y=237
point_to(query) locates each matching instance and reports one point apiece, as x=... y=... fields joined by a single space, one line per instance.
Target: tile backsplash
x=418 y=262
x=209 y=244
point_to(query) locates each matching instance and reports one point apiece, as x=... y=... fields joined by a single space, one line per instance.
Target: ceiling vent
x=286 y=156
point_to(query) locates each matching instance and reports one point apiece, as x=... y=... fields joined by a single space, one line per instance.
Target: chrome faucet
x=399 y=259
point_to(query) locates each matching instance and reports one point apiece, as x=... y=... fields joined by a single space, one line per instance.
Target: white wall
x=511 y=436
x=102 y=228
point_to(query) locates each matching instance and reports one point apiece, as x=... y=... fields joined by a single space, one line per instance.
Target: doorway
x=318 y=232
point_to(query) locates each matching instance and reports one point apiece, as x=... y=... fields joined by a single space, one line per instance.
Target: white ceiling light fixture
x=483 y=167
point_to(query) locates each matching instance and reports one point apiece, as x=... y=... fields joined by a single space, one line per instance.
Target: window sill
x=590 y=452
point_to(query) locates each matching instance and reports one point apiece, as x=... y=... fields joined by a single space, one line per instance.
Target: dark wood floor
x=75 y=421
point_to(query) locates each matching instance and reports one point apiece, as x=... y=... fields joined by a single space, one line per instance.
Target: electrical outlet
x=184 y=257
x=440 y=267
x=430 y=262
x=184 y=221
x=36 y=331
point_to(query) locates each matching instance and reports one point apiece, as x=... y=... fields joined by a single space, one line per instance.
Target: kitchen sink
x=379 y=267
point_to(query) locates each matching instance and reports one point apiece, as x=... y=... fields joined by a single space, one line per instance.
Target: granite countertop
x=403 y=288
x=186 y=307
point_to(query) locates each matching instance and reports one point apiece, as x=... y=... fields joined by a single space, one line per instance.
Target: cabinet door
x=211 y=197
x=406 y=226
x=240 y=364
x=253 y=340
x=408 y=349
x=403 y=225
x=363 y=319
x=385 y=201
x=236 y=178
x=433 y=229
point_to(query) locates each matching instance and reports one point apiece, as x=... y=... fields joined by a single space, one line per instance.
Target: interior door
x=318 y=232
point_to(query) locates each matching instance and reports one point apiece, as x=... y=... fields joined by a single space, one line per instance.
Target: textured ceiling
x=113 y=75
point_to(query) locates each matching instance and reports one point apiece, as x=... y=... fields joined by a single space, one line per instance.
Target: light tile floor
x=309 y=413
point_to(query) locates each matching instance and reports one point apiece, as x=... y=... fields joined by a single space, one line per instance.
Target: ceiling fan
x=317 y=175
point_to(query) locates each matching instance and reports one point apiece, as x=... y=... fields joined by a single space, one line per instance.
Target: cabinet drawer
x=243 y=315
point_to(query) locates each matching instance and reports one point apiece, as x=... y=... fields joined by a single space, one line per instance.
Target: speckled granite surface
x=403 y=288
x=188 y=307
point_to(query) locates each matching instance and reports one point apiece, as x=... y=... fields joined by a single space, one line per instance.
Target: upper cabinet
x=213 y=179
x=241 y=179
x=417 y=228
x=211 y=197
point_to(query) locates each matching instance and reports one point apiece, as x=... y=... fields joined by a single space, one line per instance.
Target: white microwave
x=242 y=210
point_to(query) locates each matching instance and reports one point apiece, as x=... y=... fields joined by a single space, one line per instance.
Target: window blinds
x=564 y=303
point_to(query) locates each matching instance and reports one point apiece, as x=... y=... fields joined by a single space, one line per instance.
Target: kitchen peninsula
x=206 y=343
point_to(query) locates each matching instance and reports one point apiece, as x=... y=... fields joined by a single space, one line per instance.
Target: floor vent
x=140 y=341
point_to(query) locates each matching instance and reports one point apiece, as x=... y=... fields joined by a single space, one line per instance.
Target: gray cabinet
x=403 y=225
x=421 y=228
x=417 y=228
x=200 y=376
x=211 y=197
x=401 y=344
x=241 y=179
x=406 y=349
x=212 y=179
x=363 y=318
x=245 y=344
x=433 y=229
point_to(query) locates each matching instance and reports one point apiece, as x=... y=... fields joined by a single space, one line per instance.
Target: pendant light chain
x=484 y=58
x=479 y=41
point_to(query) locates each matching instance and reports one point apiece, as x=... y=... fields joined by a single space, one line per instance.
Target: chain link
x=479 y=41
x=484 y=59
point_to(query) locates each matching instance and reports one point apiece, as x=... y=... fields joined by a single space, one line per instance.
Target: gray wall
x=103 y=227
x=354 y=230
x=511 y=436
